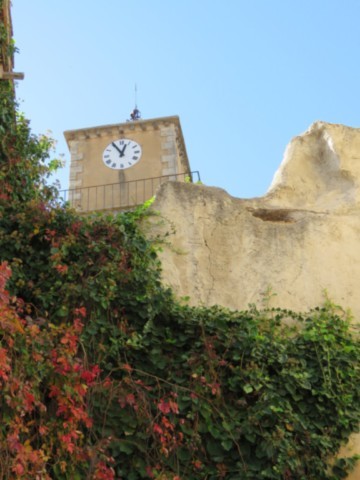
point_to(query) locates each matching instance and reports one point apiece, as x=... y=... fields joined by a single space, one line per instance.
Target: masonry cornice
x=122 y=129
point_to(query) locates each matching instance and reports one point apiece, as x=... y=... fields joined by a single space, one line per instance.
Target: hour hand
x=118 y=149
x=122 y=153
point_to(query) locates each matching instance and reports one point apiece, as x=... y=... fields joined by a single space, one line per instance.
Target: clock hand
x=123 y=150
x=118 y=149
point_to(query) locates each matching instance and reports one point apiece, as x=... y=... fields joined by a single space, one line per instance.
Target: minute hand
x=118 y=149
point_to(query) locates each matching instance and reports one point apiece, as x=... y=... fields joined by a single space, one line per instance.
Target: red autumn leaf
x=130 y=399
x=62 y=269
x=103 y=472
x=4 y=364
x=157 y=429
x=78 y=325
x=54 y=391
x=18 y=469
x=107 y=383
x=174 y=407
x=167 y=424
x=13 y=441
x=89 y=376
x=197 y=464
x=70 y=339
x=81 y=389
x=29 y=400
x=127 y=367
x=5 y=274
x=164 y=407
x=80 y=311
x=43 y=430
x=149 y=472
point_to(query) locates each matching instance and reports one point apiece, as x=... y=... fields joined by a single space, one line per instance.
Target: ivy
x=104 y=374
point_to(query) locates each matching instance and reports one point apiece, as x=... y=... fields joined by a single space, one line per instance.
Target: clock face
x=121 y=154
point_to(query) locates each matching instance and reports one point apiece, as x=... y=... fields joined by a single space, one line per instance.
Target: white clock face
x=121 y=154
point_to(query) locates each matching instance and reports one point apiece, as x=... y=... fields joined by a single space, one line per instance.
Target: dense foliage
x=142 y=387
x=105 y=375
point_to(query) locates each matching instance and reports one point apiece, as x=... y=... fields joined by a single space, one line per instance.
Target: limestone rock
x=320 y=170
x=299 y=240
x=287 y=248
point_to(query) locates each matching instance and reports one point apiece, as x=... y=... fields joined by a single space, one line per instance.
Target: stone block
x=167 y=131
x=75 y=184
x=169 y=171
x=170 y=159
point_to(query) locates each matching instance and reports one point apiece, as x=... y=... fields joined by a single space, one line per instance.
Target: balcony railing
x=120 y=196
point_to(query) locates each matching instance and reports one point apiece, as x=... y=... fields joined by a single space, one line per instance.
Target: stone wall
x=290 y=248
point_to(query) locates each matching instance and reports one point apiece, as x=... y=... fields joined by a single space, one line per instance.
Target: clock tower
x=116 y=167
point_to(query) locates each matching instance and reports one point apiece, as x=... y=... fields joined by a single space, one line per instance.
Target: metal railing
x=120 y=196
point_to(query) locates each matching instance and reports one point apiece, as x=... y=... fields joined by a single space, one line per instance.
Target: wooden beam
x=11 y=76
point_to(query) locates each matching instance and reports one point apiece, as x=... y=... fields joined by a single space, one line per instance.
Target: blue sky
x=244 y=76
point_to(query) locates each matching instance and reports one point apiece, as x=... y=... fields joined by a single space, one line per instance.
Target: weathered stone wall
x=300 y=241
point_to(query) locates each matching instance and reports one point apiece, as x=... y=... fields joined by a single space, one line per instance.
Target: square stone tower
x=115 y=167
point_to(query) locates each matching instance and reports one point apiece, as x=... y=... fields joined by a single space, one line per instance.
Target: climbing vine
x=104 y=374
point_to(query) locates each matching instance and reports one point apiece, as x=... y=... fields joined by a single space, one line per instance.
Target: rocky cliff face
x=300 y=241
x=290 y=248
